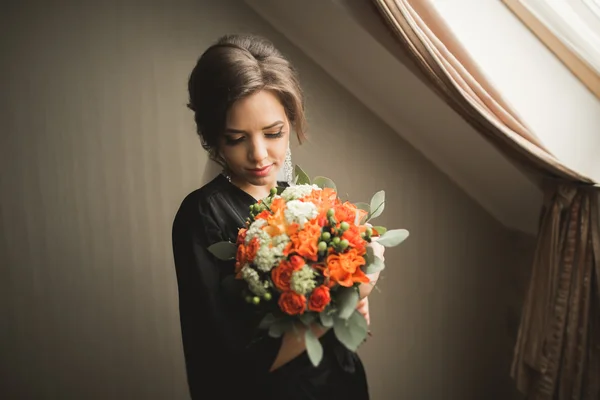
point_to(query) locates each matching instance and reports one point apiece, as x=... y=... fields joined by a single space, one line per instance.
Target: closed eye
x=275 y=135
x=232 y=140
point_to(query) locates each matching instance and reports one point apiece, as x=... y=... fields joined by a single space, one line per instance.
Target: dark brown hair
x=234 y=67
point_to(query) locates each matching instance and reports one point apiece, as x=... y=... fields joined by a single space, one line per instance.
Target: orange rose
x=352 y=235
x=345 y=212
x=277 y=205
x=265 y=214
x=297 y=262
x=292 y=303
x=345 y=268
x=319 y=299
x=241 y=236
x=240 y=259
x=252 y=249
x=276 y=223
x=324 y=199
x=282 y=274
x=305 y=241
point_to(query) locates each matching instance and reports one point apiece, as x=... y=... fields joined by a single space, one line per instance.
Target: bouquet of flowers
x=303 y=254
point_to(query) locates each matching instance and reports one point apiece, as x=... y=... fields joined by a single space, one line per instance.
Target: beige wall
x=97 y=150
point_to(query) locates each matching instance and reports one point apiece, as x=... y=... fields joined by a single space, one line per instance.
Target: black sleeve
x=219 y=334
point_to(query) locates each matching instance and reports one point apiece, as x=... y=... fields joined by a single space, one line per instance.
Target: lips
x=260 y=169
x=263 y=171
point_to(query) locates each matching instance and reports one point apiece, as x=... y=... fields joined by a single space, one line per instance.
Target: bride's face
x=255 y=140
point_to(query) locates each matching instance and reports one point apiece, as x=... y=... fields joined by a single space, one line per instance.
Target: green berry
x=248 y=299
x=267 y=296
x=336 y=240
x=330 y=212
x=322 y=247
x=344 y=226
x=344 y=244
x=256 y=300
x=273 y=191
x=326 y=236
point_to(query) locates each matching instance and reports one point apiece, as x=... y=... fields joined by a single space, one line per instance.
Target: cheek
x=280 y=150
x=233 y=156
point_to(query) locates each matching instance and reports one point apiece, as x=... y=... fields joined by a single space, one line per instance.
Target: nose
x=257 y=151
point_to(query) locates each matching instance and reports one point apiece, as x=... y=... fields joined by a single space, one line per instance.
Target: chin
x=262 y=180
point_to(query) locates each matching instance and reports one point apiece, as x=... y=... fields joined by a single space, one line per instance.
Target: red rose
x=292 y=303
x=319 y=299
x=297 y=262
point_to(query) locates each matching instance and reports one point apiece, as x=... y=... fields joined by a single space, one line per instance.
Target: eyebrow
x=274 y=124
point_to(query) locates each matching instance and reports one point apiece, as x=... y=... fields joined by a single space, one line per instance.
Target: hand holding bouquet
x=303 y=255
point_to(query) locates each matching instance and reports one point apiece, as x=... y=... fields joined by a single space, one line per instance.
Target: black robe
x=226 y=355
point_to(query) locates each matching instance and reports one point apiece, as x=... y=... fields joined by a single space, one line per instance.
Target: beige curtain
x=557 y=354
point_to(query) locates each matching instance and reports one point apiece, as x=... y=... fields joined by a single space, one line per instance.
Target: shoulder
x=196 y=205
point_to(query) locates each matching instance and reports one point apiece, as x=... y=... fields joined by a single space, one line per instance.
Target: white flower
x=281 y=239
x=303 y=281
x=255 y=231
x=267 y=257
x=298 y=191
x=255 y=285
x=300 y=212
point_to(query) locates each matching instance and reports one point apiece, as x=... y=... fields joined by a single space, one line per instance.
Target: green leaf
x=326 y=319
x=323 y=182
x=313 y=347
x=377 y=205
x=348 y=300
x=361 y=206
x=370 y=256
x=223 y=250
x=393 y=237
x=351 y=332
x=267 y=321
x=279 y=327
x=380 y=229
x=301 y=176
x=307 y=318
x=375 y=266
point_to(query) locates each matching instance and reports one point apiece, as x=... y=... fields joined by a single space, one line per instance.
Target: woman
x=246 y=100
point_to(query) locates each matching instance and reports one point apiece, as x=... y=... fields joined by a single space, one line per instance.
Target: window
x=570 y=29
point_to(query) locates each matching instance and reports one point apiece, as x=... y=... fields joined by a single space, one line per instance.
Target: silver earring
x=288 y=167
x=226 y=174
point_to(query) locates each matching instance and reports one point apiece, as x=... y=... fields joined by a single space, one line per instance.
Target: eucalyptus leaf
x=301 y=176
x=370 y=256
x=351 y=332
x=376 y=266
x=348 y=300
x=393 y=237
x=279 y=327
x=377 y=205
x=307 y=318
x=267 y=321
x=324 y=182
x=364 y=207
x=380 y=229
x=223 y=250
x=313 y=347
x=326 y=319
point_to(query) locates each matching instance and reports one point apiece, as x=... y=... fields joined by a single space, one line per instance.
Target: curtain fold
x=450 y=71
x=557 y=352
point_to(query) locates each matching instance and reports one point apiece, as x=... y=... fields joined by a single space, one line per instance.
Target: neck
x=258 y=192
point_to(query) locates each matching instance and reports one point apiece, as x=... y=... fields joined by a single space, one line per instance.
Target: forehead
x=256 y=111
